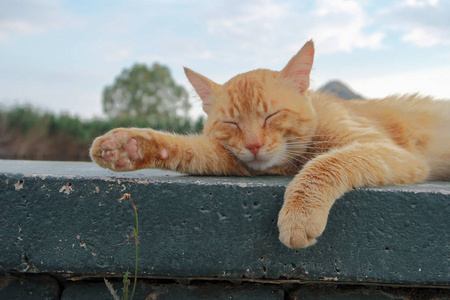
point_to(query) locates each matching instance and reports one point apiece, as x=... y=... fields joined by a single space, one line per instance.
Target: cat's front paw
x=126 y=149
x=116 y=150
x=299 y=225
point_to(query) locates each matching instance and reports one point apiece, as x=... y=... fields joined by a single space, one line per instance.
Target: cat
x=268 y=122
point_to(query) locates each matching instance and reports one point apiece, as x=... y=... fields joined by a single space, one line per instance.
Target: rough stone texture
x=65 y=218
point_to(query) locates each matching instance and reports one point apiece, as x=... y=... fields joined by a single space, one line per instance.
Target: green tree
x=147 y=94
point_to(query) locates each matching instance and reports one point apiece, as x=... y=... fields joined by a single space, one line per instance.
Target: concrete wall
x=63 y=230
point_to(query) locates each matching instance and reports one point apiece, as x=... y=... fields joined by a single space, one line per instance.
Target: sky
x=59 y=55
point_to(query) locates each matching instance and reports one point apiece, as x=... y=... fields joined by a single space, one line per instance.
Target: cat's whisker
x=304 y=137
x=307 y=141
x=299 y=155
x=304 y=154
x=237 y=161
x=288 y=160
x=295 y=154
x=305 y=146
x=292 y=159
x=307 y=149
x=296 y=147
x=308 y=135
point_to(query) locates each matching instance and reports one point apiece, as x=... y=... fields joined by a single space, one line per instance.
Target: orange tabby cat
x=267 y=122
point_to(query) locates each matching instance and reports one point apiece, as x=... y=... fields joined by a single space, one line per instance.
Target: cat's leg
x=131 y=149
x=309 y=197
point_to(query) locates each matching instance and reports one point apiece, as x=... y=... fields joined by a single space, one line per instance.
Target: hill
x=340 y=90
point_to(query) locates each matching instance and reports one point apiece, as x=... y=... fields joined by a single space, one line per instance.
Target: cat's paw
x=299 y=226
x=116 y=150
x=123 y=149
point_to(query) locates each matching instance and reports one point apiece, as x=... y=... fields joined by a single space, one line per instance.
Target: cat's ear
x=299 y=67
x=203 y=86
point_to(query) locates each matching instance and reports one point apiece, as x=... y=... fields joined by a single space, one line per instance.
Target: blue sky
x=59 y=55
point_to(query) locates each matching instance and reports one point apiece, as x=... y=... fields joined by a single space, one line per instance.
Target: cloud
x=335 y=25
x=423 y=37
x=343 y=25
x=28 y=17
x=247 y=22
x=420 y=3
x=420 y=23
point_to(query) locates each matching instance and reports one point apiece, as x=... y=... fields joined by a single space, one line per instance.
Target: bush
x=30 y=133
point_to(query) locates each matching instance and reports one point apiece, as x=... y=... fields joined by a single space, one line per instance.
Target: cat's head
x=265 y=118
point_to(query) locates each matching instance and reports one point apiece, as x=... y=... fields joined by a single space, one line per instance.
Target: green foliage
x=126 y=283
x=24 y=117
x=143 y=93
x=29 y=133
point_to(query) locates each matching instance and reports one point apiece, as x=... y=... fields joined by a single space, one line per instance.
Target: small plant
x=126 y=281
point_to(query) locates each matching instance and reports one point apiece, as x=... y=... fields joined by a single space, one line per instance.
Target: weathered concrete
x=65 y=218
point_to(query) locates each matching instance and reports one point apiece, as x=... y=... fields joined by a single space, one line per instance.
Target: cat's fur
x=267 y=122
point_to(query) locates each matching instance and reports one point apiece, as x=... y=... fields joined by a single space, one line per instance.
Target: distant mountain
x=340 y=90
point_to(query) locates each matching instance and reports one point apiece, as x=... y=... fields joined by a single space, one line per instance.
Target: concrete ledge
x=64 y=218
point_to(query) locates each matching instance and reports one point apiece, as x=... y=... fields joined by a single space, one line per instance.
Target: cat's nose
x=254 y=148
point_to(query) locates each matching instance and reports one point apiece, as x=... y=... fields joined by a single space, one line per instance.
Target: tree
x=148 y=94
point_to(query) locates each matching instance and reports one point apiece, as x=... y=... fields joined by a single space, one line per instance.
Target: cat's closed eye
x=232 y=124
x=270 y=117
